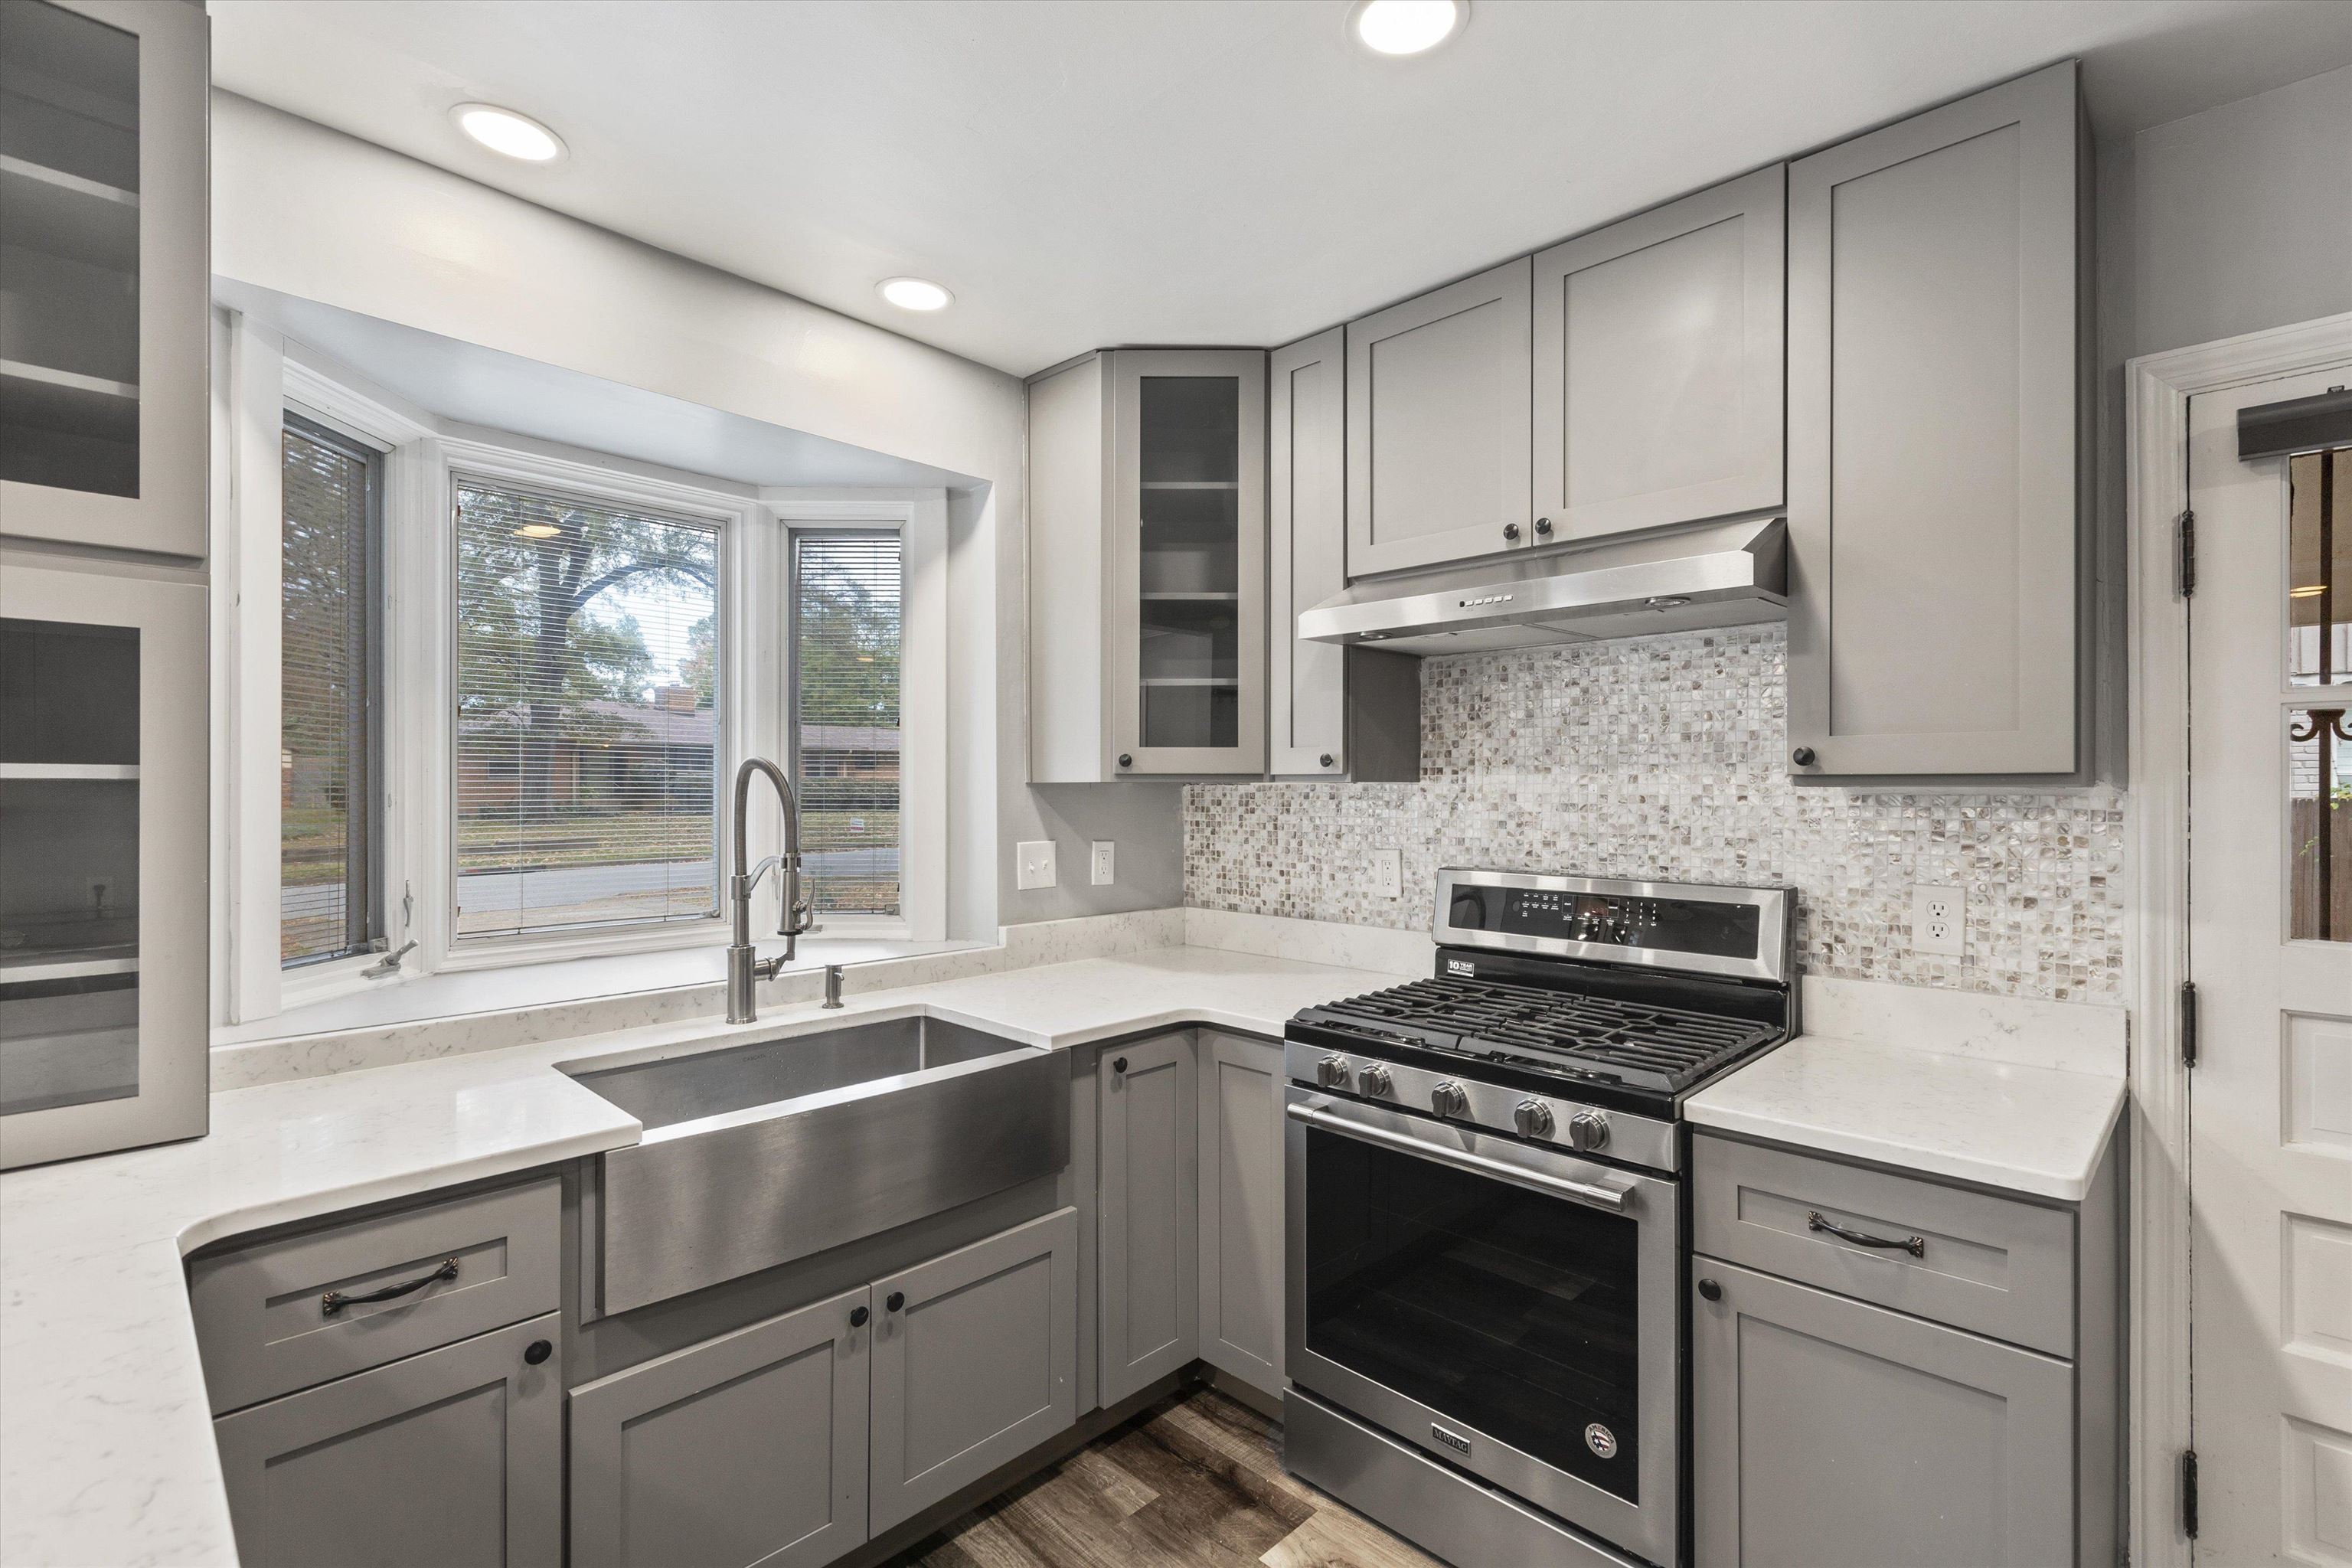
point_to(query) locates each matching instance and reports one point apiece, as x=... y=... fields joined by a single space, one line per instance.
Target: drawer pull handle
x=334 y=1301
x=1917 y=1245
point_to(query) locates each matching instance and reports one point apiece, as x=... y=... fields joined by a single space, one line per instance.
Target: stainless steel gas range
x=1487 y=1221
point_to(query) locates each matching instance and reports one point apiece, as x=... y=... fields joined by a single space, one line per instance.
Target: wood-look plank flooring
x=1196 y=1481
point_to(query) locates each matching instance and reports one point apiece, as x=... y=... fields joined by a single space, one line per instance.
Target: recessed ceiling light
x=1406 y=26
x=537 y=531
x=915 y=293
x=504 y=131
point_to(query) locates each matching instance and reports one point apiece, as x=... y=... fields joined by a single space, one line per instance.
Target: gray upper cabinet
x=748 y=1448
x=1658 y=364
x=975 y=1362
x=1149 y=1196
x=1438 y=426
x=1147 y=560
x=1937 y=448
x=452 y=1457
x=1240 y=1208
x=105 y=274
x=1828 y=1431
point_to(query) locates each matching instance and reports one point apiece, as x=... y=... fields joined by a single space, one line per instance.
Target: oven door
x=1509 y=1309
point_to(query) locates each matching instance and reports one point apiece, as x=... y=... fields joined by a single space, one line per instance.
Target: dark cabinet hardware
x=1543 y=527
x=536 y=1353
x=1710 y=1290
x=334 y=1301
x=1510 y=531
x=1324 y=761
x=1802 y=756
x=1126 y=760
x=895 y=1300
x=1917 y=1245
x=1119 y=1065
x=857 y=1315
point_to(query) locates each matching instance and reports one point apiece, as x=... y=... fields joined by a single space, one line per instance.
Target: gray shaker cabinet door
x=974 y=1365
x=1935 y=442
x=1149 y=1195
x=747 y=1448
x=454 y=1458
x=1240 y=1208
x=1307 y=518
x=1437 y=426
x=1658 y=347
x=1830 y=1434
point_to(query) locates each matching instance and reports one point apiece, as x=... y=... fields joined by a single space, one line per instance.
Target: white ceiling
x=1184 y=171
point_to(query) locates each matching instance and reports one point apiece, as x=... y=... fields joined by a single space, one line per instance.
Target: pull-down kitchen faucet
x=745 y=968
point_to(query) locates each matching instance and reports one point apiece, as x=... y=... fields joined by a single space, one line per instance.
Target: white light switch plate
x=1035 y=861
x=1102 y=862
x=1385 y=870
x=1939 y=920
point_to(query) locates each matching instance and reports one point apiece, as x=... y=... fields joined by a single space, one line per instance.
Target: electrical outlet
x=1034 y=863
x=1102 y=862
x=1939 y=920
x=1384 y=869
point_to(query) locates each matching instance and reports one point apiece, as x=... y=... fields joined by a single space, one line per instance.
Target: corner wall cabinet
x=1955 y=1408
x=1938 y=443
x=1146 y=567
x=105 y=276
x=1331 y=712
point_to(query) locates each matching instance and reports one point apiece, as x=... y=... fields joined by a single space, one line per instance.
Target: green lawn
x=312 y=842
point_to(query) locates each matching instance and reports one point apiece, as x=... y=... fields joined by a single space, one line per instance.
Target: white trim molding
x=2157 y=388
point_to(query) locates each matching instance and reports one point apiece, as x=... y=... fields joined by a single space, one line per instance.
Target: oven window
x=1512 y=1312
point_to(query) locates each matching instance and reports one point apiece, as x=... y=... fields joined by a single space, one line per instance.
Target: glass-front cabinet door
x=104 y=274
x=103 y=779
x=1188 y=527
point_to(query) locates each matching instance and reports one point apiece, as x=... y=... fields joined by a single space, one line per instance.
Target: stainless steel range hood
x=1715 y=574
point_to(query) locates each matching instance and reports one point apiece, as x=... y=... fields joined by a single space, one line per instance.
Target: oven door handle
x=1615 y=1199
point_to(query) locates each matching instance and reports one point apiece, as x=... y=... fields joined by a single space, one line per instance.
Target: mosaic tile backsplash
x=1664 y=757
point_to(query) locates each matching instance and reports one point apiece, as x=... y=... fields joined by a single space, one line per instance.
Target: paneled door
x=2270 y=937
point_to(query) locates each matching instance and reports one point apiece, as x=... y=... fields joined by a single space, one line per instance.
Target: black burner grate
x=1666 y=1048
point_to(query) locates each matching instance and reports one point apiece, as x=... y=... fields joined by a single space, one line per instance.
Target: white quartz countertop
x=2034 y=1130
x=107 y=1457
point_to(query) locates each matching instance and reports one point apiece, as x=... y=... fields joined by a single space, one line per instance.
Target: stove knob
x=1533 y=1119
x=1449 y=1099
x=1588 y=1130
x=1374 y=1079
x=1331 y=1072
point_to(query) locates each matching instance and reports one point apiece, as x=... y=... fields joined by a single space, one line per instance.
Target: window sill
x=455 y=992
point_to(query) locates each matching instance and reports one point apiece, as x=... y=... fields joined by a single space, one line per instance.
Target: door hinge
x=2188 y=1493
x=2188 y=566
x=2188 y=1022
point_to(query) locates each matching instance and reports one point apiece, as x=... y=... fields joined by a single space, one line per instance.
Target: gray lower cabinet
x=1936 y=442
x=1240 y=1208
x=1149 y=1193
x=1833 y=1434
x=1437 y=426
x=748 y=1448
x=454 y=1458
x=974 y=1364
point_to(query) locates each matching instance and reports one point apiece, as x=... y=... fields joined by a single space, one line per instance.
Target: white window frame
x=919 y=518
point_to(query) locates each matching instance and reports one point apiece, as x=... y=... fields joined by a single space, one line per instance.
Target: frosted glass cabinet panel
x=103 y=851
x=103 y=274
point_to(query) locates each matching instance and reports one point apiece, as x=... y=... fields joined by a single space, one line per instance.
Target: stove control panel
x=1672 y=925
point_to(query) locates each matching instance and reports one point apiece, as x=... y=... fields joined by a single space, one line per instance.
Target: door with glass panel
x=104 y=277
x=2270 y=950
x=1188 y=560
x=104 y=774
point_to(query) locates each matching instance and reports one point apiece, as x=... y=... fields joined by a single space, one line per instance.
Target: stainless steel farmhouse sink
x=754 y=1155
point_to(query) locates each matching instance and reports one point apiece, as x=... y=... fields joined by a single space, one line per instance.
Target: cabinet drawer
x=1995 y=1266
x=265 y=1326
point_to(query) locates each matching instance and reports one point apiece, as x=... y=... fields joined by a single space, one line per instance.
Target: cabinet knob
x=536 y=1351
x=857 y=1315
x=1710 y=1290
x=1324 y=761
x=895 y=1300
x=1510 y=531
x=1543 y=526
x=1802 y=756
x=1118 y=1065
x=1126 y=760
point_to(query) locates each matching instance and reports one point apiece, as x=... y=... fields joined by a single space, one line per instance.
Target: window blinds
x=844 y=682
x=587 y=723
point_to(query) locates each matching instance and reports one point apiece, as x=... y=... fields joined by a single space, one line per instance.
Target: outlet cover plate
x=1939 y=920
x=1034 y=862
x=1102 y=862
x=1384 y=869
